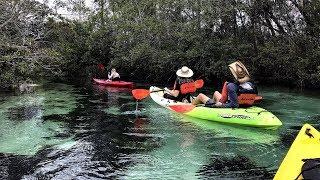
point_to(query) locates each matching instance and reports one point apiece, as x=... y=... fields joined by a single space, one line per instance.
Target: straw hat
x=184 y=72
x=239 y=72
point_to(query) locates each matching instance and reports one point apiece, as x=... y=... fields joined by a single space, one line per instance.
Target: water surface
x=63 y=132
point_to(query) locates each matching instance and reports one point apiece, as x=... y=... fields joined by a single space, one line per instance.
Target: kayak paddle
x=140 y=94
x=199 y=83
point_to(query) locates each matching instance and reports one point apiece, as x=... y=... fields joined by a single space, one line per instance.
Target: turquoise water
x=65 y=132
x=24 y=131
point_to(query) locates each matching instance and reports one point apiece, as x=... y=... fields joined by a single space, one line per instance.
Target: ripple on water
x=316 y=117
x=113 y=110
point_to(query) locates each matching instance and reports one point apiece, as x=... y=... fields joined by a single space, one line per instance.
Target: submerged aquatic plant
x=233 y=167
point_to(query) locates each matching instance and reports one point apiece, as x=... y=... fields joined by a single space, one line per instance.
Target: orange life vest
x=245 y=99
x=186 y=88
x=224 y=93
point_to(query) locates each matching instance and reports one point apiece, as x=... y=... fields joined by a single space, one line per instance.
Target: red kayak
x=113 y=83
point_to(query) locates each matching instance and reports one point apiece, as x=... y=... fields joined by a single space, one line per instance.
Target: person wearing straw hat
x=229 y=96
x=184 y=76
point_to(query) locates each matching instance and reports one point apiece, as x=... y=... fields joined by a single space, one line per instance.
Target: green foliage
x=148 y=40
x=23 y=51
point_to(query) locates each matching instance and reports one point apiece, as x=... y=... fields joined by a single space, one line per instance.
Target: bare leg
x=217 y=96
x=201 y=98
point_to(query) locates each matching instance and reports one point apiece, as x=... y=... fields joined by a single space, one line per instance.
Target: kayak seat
x=310 y=169
x=246 y=100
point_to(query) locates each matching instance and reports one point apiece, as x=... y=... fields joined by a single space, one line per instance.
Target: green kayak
x=252 y=116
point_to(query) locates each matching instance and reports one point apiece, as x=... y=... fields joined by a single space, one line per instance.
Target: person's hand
x=167 y=90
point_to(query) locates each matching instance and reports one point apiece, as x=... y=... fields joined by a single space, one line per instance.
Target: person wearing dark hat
x=229 y=96
x=184 y=78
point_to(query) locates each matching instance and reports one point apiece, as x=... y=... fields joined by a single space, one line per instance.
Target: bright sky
x=64 y=11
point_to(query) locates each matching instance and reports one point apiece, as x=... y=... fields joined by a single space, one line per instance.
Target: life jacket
x=224 y=93
x=245 y=97
x=187 y=88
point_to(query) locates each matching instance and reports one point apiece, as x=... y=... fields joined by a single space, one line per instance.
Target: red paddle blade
x=182 y=108
x=199 y=83
x=258 y=98
x=140 y=94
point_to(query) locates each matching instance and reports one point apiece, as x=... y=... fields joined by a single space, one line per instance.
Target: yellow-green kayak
x=302 y=160
x=252 y=116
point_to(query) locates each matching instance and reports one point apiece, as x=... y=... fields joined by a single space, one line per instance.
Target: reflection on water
x=66 y=132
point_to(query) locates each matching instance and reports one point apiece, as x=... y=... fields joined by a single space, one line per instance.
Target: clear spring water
x=67 y=132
